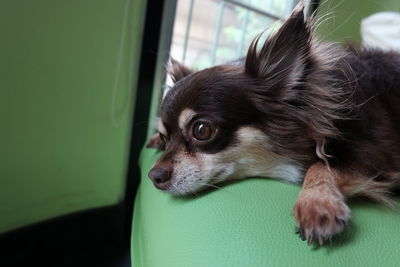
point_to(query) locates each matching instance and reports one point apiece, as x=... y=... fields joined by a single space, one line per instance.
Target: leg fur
x=320 y=210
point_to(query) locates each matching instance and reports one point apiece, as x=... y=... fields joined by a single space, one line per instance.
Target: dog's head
x=244 y=118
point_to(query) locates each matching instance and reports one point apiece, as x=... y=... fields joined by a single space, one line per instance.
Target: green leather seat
x=250 y=223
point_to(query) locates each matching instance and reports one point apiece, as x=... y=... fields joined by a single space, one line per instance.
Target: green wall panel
x=342 y=18
x=66 y=94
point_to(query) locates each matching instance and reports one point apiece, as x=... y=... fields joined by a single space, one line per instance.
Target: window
x=210 y=32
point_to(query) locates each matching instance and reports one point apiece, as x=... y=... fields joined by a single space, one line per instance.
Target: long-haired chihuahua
x=296 y=109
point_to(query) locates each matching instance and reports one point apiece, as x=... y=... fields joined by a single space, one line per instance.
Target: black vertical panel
x=151 y=39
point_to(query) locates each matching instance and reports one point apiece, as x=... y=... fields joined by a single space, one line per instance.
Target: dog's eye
x=202 y=131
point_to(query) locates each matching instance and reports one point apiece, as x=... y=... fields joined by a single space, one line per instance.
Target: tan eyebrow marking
x=185 y=117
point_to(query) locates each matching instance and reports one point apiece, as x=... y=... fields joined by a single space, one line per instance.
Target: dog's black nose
x=160 y=177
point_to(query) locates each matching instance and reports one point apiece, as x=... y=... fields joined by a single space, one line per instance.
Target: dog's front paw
x=320 y=215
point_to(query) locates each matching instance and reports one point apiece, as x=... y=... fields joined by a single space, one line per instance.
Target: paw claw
x=302 y=234
x=340 y=221
x=321 y=240
x=311 y=238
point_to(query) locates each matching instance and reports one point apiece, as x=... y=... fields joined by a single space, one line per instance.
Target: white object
x=381 y=30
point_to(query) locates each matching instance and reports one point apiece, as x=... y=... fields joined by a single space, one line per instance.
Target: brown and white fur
x=297 y=110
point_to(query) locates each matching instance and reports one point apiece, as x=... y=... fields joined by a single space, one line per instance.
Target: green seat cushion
x=250 y=223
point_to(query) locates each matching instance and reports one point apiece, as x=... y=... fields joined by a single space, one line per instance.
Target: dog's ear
x=155 y=142
x=177 y=71
x=284 y=54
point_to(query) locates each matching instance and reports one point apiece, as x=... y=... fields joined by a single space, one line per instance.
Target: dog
x=296 y=109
